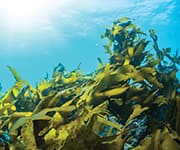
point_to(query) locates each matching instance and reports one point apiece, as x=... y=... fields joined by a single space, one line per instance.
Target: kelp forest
x=130 y=102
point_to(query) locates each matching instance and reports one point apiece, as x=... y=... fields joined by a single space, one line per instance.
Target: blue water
x=34 y=41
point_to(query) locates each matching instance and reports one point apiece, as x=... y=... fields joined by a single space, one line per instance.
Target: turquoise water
x=35 y=38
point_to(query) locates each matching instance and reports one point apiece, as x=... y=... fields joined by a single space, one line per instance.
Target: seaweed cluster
x=130 y=102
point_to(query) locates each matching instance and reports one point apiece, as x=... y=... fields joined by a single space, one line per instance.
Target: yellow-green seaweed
x=101 y=110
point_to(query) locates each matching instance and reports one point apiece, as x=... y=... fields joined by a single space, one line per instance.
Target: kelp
x=130 y=102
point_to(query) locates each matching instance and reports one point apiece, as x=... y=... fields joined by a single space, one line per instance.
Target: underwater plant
x=130 y=102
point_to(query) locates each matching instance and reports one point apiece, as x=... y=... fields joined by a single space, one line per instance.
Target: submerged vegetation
x=131 y=102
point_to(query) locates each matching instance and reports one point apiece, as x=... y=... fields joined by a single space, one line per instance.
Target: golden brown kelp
x=131 y=102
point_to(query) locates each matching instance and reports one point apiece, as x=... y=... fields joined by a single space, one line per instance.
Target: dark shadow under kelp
x=131 y=102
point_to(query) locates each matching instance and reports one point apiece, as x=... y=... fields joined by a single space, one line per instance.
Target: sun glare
x=21 y=10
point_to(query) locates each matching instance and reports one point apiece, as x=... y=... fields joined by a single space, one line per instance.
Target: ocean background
x=35 y=35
